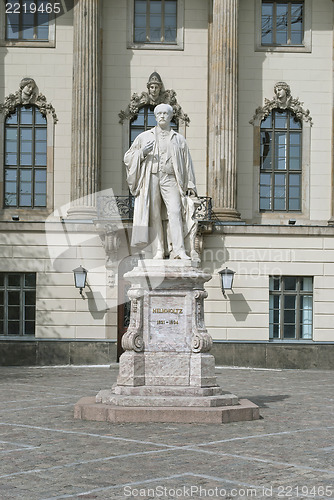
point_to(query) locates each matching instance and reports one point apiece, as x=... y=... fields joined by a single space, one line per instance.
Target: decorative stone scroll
x=27 y=95
x=202 y=341
x=156 y=94
x=132 y=340
x=282 y=100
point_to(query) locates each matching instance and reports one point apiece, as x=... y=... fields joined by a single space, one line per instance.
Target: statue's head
x=28 y=90
x=161 y=108
x=282 y=90
x=154 y=85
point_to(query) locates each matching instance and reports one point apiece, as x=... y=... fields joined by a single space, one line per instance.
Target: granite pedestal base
x=166 y=373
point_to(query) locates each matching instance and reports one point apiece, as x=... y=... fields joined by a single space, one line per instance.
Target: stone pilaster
x=222 y=127
x=86 y=109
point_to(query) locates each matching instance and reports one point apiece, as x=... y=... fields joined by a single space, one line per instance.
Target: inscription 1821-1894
x=167 y=321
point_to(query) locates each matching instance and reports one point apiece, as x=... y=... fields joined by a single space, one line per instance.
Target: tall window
x=281 y=161
x=155 y=21
x=25 y=158
x=282 y=23
x=291 y=308
x=17 y=303
x=28 y=20
x=144 y=121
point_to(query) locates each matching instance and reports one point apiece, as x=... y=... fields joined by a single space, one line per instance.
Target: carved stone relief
x=282 y=100
x=28 y=95
x=155 y=94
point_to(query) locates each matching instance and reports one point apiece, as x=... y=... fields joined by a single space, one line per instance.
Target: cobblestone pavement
x=46 y=454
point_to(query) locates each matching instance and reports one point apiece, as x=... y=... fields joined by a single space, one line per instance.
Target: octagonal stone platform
x=166 y=373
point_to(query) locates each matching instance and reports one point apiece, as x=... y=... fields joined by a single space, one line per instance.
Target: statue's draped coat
x=138 y=176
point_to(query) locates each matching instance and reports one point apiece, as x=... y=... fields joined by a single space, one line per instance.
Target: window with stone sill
x=283 y=25
x=290 y=308
x=281 y=162
x=17 y=304
x=25 y=170
x=28 y=22
x=156 y=24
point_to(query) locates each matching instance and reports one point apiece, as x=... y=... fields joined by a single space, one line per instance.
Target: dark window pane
x=29 y=328
x=13 y=312
x=290 y=316
x=29 y=313
x=30 y=298
x=294 y=122
x=289 y=301
x=13 y=298
x=14 y=280
x=290 y=283
x=2 y=279
x=2 y=312
x=30 y=280
x=289 y=331
x=2 y=330
x=13 y=328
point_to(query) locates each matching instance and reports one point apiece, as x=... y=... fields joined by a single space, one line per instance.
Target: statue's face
x=163 y=116
x=28 y=89
x=154 y=90
x=280 y=92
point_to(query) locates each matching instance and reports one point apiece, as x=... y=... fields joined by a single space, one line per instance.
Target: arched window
x=145 y=120
x=25 y=165
x=281 y=162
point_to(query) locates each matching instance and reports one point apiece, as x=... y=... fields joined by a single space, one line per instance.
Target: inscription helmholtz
x=167 y=311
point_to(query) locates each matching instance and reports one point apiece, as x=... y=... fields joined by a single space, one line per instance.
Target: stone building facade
x=251 y=84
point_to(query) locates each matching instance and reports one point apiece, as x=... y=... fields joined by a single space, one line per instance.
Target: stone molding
x=12 y=101
x=287 y=102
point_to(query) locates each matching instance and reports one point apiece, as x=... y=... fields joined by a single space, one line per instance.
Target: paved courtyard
x=46 y=454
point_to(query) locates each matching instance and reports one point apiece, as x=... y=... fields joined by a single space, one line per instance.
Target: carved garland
x=26 y=96
x=151 y=98
x=282 y=100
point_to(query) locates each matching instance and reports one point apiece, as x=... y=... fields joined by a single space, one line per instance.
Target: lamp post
x=80 y=276
x=226 y=276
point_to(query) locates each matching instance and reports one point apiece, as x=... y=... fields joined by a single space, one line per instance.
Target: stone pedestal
x=166 y=369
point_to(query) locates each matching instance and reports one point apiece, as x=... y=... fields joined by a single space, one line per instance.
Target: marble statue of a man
x=160 y=175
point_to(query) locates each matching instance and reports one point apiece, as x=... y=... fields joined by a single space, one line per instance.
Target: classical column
x=222 y=127
x=86 y=109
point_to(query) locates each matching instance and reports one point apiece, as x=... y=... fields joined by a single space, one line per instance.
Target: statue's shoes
x=158 y=255
x=182 y=256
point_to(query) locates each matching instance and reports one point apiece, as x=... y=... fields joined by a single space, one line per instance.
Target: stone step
x=168 y=401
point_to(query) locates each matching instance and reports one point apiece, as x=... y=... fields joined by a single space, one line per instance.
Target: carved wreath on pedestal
x=27 y=95
x=282 y=100
x=156 y=94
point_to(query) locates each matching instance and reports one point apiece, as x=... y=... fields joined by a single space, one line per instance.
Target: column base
x=82 y=213
x=331 y=221
x=228 y=214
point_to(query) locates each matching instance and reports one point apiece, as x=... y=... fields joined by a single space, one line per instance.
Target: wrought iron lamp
x=80 y=276
x=226 y=276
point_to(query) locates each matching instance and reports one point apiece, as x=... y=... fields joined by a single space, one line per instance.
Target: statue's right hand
x=148 y=148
